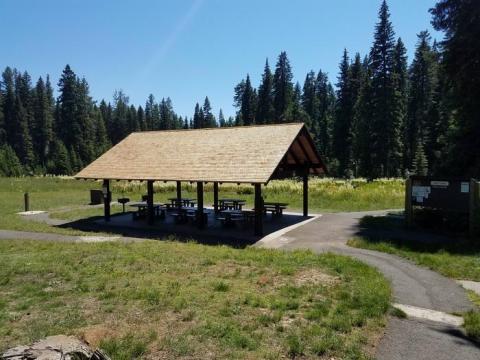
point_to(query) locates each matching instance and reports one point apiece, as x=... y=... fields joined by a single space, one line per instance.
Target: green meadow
x=67 y=198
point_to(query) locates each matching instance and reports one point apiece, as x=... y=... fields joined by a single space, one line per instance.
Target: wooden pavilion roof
x=246 y=154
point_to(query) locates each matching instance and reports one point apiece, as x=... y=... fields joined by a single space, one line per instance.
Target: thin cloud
x=165 y=47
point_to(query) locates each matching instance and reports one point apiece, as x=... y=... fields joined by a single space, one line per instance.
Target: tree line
x=385 y=117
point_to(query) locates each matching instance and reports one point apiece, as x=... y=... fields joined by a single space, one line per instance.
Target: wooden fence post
x=408 y=202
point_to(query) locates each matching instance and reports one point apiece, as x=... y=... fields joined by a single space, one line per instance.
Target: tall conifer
x=265 y=109
x=282 y=87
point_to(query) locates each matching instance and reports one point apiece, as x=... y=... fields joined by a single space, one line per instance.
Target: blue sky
x=187 y=49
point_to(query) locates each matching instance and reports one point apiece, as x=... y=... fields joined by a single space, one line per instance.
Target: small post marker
x=26 y=198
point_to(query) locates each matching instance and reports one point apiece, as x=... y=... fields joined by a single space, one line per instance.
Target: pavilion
x=246 y=154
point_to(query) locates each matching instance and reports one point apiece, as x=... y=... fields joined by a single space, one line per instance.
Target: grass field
x=64 y=196
x=168 y=300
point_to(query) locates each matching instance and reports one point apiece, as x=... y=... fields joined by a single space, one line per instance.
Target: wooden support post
x=473 y=208
x=107 y=198
x=150 y=211
x=305 y=193
x=179 y=190
x=258 y=210
x=408 y=203
x=200 y=214
x=215 y=197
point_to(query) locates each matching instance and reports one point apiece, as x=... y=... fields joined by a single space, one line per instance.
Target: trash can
x=96 y=197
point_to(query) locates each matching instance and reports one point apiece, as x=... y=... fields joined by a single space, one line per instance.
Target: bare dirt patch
x=314 y=277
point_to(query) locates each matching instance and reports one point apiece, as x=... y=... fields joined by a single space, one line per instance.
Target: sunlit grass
x=167 y=300
x=65 y=197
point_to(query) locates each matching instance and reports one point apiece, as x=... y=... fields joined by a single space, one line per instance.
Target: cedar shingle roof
x=248 y=154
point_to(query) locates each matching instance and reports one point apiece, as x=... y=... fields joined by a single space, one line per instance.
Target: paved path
x=412 y=285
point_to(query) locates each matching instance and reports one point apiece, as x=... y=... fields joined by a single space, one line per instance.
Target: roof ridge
x=219 y=128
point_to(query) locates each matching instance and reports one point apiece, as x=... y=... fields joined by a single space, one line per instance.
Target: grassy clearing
x=64 y=196
x=168 y=300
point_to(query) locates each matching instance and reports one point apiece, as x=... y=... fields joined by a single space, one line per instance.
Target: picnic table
x=231 y=204
x=184 y=213
x=276 y=208
x=179 y=202
x=230 y=216
x=142 y=208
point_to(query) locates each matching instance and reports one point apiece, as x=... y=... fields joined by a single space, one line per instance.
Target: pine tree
x=198 y=117
x=221 y=119
x=106 y=110
x=209 y=118
x=443 y=125
x=132 y=120
x=420 y=161
x=245 y=99
x=59 y=163
x=366 y=136
x=3 y=131
x=84 y=141
x=9 y=163
x=8 y=95
x=149 y=112
x=322 y=126
x=43 y=120
x=75 y=162
x=166 y=114
x=102 y=142
x=296 y=113
x=186 y=123
x=399 y=114
x=67 y=127
x=460 y=20
x=141 y=119
x=423 y=87
x=265 y=110
x=310 y=100
x=356 y=79
x=120 y=113
x=382 y=85
x=343 y=126
x=22 y=139
x=282 y=87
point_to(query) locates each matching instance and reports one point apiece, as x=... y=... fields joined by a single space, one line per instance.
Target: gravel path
x=412 y=285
